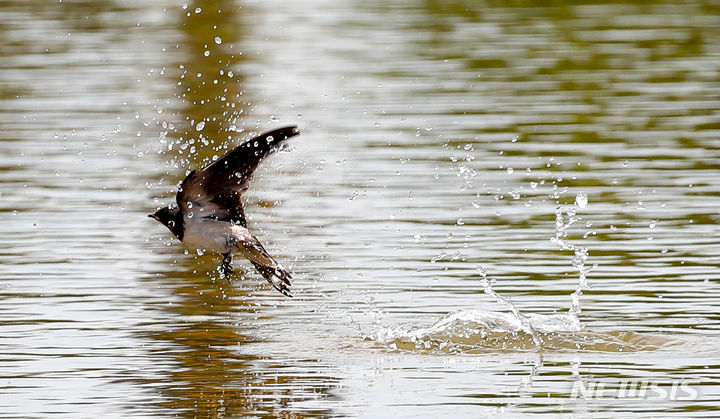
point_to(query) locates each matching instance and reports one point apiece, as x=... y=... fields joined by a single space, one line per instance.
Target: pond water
x=489 y=207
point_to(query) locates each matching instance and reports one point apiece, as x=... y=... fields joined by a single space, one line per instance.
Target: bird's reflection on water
x=212 y=374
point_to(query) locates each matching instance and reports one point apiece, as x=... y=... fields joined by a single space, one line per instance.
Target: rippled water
x=458 y=160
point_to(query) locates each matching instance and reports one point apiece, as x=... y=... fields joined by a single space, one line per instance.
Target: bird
x=208 y=212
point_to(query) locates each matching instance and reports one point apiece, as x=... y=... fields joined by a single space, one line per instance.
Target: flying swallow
x=208 y=213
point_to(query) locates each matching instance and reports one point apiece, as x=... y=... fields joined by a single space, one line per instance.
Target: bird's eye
x=171 y=223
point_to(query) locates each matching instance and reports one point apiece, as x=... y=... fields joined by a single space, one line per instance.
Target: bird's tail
x=278 y=277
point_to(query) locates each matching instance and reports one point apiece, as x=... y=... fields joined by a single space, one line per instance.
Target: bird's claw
x=226 y=270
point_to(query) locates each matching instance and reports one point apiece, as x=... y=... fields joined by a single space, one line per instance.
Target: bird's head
x=169 y=217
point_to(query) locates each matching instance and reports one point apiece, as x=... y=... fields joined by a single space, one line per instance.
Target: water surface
x=446 y=147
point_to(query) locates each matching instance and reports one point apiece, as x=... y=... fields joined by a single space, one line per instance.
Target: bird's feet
x=225 y=268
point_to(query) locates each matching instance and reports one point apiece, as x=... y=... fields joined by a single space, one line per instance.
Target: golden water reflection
x=214 y=376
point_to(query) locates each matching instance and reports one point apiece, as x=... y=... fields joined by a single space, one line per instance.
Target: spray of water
x=487 y=284
x=565 y=217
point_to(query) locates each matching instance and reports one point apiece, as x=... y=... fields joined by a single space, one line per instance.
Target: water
x=548 y=145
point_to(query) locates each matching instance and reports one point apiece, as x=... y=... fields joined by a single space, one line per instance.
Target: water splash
x=524 y=321
x=581 y=199
x=580 y=252
x=478 y=331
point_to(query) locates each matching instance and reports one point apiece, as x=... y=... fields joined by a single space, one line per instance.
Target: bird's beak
x=152 y=216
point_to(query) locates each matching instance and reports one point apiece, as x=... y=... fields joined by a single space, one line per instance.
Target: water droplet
x=510 y=170
x=581 y=199
x=274 y=118
x=218 y=40
x=206 y=53
x=460 y=222
x=200 y=125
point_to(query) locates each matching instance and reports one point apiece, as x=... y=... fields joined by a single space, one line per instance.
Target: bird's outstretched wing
x=214 y=191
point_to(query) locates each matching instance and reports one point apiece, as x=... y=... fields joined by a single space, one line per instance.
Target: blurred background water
x=446 y=147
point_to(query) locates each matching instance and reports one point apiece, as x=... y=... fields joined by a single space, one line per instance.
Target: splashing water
x=581 y=199
x=469 y=331
x=580 y=252
x=478 y=331
x=524 y=321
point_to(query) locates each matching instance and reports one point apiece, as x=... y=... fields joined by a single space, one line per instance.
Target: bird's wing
x=214 y=191
x=194 y=200
x=234 y=170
